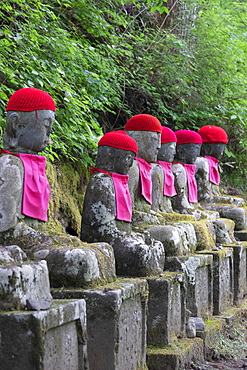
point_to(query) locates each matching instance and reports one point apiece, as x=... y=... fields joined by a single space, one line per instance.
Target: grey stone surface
x=70 y=261
x=21 y=282
x=166 y=309
x=191 y=328
x=224 y=231
x=211 y=199
x=178 y=239
x=135 y=254
x=79 y=267
x=52 y=339
x=223 y=279
x=116 y=324
x=12 y=254
x=240 y=273
x=198 y=272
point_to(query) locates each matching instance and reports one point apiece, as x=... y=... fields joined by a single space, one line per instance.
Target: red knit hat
x=168 y=136
x=187 y=136
x=29 y=99
x=213 y=134
x=120 y=140
x=143 y=122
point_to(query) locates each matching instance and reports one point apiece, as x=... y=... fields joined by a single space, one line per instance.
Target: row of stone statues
x=142 y=174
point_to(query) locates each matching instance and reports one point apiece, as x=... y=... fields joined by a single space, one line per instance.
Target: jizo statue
x=143 y=180
x=166 y=155
x=187 y=150
x=107 y=209
x=214 y=140
x=24 y=189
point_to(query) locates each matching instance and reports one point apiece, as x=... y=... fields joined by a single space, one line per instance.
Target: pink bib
x=169 y=189
x=36 y=190
x=191 y=182
x=122 y=194
x=145 y=177
x=214 y=175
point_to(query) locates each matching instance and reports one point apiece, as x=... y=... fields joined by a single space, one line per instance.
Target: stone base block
x=241 y=235
x=53 y=339
x=198 y=273
x=18 y=283
x=166 y=308
x=178 y=356
x=116 y=324
x=79 y=267
x=223 y=279
x=240 y=272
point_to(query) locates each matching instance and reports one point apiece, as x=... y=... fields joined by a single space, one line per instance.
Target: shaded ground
x=231 y=350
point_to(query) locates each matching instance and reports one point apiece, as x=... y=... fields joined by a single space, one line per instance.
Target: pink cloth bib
x=145 y=177
x=36 y=190
x=169 y=189
x=214 y=175
x=191 y=181
x=122 y=194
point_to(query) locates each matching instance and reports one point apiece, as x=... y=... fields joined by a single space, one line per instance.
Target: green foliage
x=103 y=61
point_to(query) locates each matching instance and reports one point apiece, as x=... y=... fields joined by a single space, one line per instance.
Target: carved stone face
x=167 y=152
x=114 y=160
x=187 y=153
x=148 y=144
x=215 y=150
x=28 y=131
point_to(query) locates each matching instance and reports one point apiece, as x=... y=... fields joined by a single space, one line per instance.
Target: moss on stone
x=176 y=217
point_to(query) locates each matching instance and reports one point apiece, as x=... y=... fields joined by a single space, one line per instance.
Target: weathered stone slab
x=79 y=267
x=178 y=356
x=18 y=283
x=223 y=279
x=53 y=339
x=166 y=308
x=198 y=272
x=241 y=235
x=116 y=324
x=240 y=272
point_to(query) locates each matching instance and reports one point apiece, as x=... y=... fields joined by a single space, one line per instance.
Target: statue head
x=116 y=152
x=188 y=146
x=214 y=140
x=167 y=150
x=146 y=130
x=30 y=113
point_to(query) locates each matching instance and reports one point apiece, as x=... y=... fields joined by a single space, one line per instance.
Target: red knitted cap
x=168 y=136
x=213 y=134
x=143 y=122
x=187 y=136
x=29 y=99
x=120 y=140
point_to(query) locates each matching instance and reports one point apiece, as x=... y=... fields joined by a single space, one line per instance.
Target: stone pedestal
x=52 y=339
x=223 y=279
x=198 y=273
x=166 y=308
x=116 y=324
x=22 y=280
x=240 y=272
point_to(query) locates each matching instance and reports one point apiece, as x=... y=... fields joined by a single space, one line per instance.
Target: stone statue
x=146 y=177
x=107 y=209
x=24 y=197
x=24 y=189
x=145 y=174
x=187 y=150
x=166 y=155
x=214 y=140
